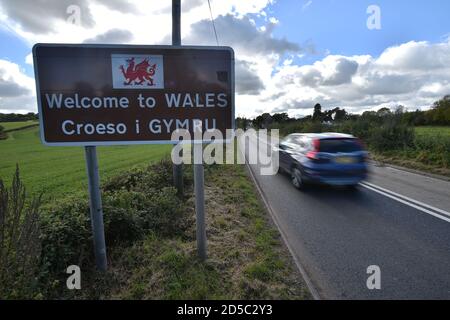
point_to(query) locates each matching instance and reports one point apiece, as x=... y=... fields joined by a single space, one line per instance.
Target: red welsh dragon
x=142 y=71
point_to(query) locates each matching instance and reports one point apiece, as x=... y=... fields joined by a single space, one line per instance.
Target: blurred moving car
x=324 y=158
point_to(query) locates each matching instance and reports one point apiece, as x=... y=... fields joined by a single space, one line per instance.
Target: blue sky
x=401 y=67
x=14 y=49
x=340 y=26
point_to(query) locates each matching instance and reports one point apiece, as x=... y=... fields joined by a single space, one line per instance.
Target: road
x=397 y=220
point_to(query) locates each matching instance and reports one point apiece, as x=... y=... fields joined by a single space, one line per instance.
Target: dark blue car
x=324 y=158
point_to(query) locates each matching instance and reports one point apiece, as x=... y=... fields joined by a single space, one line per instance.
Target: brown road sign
x=116 y=94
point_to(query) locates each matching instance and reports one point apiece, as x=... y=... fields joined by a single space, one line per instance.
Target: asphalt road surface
x=396 y=220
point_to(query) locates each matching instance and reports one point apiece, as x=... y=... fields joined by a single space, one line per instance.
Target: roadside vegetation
x=419 y=139
x=18 y=117
x=150 y=235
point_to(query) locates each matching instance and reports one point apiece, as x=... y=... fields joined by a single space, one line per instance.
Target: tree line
x=384 y=131
x=16 y=117
x=439 y=114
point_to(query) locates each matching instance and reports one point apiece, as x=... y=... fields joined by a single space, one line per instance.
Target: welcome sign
x=111 y=94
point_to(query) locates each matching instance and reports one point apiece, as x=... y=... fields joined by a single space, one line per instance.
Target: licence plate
x=345 y=160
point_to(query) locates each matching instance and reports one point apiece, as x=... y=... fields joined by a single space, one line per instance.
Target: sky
x=290 y=54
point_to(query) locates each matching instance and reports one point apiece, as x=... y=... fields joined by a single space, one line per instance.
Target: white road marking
x=408 y=201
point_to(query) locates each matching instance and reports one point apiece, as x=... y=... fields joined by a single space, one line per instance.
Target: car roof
x=324 y=135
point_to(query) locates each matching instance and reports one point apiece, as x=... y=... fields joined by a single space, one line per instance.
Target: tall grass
x=19 y=241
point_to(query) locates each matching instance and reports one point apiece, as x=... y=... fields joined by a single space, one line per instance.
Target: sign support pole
x=199 y=183
x=96 y=209
x=176 y=41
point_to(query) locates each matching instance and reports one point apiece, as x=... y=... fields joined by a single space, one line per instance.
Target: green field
x=433 y=131
x=17 y=125
x=59 y=171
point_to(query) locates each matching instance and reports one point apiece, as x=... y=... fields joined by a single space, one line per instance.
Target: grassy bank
x=430 y=151
x=150 y=236
x=59 y=171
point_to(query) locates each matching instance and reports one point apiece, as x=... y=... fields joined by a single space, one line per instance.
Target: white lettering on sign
x=173 y=100
x=186 y=100
x=70 y=128
x=58 y=100
x=157 y=126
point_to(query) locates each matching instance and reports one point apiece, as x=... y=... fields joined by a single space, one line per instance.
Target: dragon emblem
x=138 y=73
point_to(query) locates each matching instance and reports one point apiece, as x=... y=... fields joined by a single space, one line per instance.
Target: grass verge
x=246 y=258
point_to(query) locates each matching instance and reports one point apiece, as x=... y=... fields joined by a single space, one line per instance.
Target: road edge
x=308 y=282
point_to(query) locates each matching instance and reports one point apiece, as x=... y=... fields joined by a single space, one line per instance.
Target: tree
x=440 y=114
x=262 y=121
x=267 y=120
x=400 y=109
x=280 y=117
x=383 y=112
x=340 y=115
x=317 y=115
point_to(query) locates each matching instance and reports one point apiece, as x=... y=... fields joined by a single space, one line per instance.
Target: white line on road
x=408 y=201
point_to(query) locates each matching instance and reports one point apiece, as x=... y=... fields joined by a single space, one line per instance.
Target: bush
x=156 y=210
x=66 y=237
x=433 y=149
x=156 y=175
x=391 y=135
x=19 y=241
x=135 y=204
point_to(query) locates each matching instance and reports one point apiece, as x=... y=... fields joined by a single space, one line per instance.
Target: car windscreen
x=339 y=145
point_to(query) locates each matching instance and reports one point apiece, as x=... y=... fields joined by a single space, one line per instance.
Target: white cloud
x=29 y=59
x=413 y=74
x=17 y=91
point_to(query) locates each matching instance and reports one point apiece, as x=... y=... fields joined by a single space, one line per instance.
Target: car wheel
x=296 y=178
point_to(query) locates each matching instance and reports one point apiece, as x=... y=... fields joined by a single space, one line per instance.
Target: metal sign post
x=199 y=185
x=176 y=41
x=95 y=200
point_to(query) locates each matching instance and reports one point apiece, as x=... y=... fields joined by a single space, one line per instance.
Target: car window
x=339 y=145
x=299 y=141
